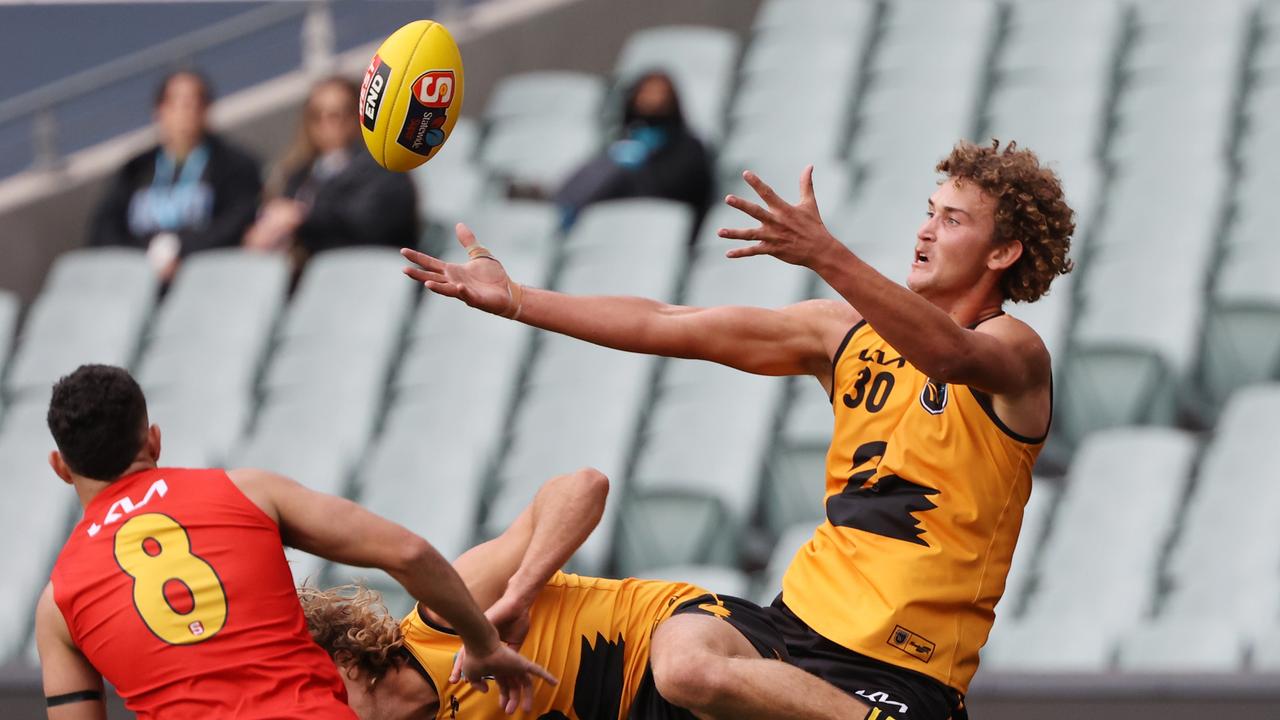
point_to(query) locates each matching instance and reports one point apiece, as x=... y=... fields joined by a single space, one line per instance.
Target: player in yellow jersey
x=621 y=648
x=941 y=404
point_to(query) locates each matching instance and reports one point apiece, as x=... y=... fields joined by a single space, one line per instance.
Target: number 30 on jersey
x=177 y=594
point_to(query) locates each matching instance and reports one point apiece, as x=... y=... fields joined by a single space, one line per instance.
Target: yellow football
x=411 y=95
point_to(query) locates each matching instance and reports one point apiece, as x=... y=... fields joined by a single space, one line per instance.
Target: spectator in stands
x=656 y=156
x=192 y=192
x=328 y=191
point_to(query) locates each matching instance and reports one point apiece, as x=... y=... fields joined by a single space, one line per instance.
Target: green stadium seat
x=673 y=528
x=1117 y=510
x=546 y=94
x=789 y=543
x=539 y=153
x=1242 y=324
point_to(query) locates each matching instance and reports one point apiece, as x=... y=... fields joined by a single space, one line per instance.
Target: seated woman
x=621 y=648
x=656 y=155
x=328 y=191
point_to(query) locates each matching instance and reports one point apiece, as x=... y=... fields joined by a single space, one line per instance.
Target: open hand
x=791 y=233
x=509 y=669
x=481 y=282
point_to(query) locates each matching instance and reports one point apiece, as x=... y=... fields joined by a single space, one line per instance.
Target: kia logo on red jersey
x=434 y=88
x=372 y=89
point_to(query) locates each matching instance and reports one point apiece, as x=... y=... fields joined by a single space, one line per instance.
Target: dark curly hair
x=1030 y=209
x=98 y=419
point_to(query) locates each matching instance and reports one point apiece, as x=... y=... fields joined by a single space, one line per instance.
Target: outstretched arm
x=340 y=530
x=1002 y=357
x=797 y=340
x=72 y=686
x=505 y=574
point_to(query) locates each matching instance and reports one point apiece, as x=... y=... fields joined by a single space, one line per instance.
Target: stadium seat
x=715 y=442
x=1182 y=645
x=34 y=520
x=1049 y=645
x=63 y=331
x=813 y=15
x=213 y=330
x=412 y=477
x=1242 y=325
x=627 y=247
x=549 y=94
x=789 y=543
x=701 y=60
x=1266 y=651
x=199 y=429
x=672 y=527
x=718 y=579
x=1236 y=464
x=1035 y=521
x=1114 y=517
x=357 y=293
x=123 y=275
x=448 y=195
x=297 y=454
x=796 y=480
x=539 y=153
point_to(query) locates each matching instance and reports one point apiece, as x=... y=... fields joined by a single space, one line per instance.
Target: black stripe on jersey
x=984 y=401
x=835 y=360
x=410 y=660
x=422 y=615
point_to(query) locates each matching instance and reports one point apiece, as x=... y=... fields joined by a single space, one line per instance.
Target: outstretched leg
x=703 y=664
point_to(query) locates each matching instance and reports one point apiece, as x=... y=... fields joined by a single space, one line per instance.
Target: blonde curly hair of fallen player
x=1030 y=208
x=353 y=625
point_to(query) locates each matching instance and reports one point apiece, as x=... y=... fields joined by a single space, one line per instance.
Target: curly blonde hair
x=1030 y=209
x=353 y=625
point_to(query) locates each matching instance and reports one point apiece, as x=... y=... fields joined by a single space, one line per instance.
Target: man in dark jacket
x=192 y=192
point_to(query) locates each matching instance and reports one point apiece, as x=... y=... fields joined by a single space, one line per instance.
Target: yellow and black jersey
x=924 y=499
x=591 y=633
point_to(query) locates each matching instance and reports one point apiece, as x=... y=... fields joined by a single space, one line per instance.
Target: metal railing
x=40 y=104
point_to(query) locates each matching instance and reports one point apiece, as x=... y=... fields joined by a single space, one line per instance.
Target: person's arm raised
x=506 y=573
x=1004 y=357
x=340 y=530
x=789 y=341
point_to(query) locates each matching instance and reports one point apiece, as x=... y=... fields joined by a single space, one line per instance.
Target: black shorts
x=894 y=693
x=754 y=622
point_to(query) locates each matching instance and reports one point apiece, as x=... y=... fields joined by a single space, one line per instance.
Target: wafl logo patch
x=933 y=397
x=430 y=95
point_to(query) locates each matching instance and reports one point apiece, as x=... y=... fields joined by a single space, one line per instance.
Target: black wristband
x=73 y=697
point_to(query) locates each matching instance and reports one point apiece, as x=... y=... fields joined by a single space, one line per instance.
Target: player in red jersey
x=174 y=585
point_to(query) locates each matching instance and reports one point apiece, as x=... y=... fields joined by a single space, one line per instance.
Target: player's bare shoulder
x=1025 y=343
x=831 y=318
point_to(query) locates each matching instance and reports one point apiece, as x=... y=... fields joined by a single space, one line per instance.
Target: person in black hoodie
x=192 y=192
x=656 y=155
x=328 y=191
